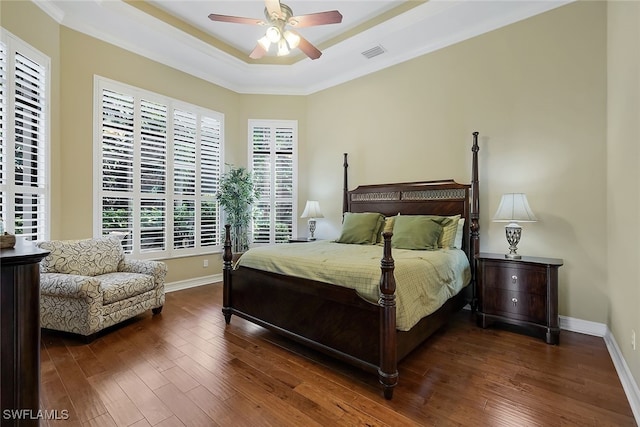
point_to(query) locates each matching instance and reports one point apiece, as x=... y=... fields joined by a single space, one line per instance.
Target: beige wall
x=83 y=57
x=75 y=58
x=26 y=21
x=277 y=108
x=623 y=178
x=536 y=91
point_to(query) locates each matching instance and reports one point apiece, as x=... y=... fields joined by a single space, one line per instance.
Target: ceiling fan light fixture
x=273 y=34
x=283 y=49
x=292 y=39
x=264 y=42
x=277 y=17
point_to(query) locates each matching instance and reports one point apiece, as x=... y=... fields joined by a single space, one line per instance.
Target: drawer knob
x=514 y=301
x=514 y=278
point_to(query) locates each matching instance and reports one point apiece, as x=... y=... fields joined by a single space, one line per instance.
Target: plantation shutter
x=153 y=176
x=283 y=184
x=210 y=171
x=261 y=166
x=273 y=162
x=23 y=133
x=160 y=171
x=184 y=179
x=117 y=138
x=3 y=134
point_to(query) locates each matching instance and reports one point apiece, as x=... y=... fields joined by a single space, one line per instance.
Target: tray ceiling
x=373 y=35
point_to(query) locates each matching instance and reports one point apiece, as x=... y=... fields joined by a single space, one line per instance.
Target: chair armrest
x=70 y=286
x=157 y=269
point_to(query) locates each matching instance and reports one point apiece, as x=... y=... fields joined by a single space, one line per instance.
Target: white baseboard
x=583 y=326
x=601 y=330
x=628 y=383
x=192 y=283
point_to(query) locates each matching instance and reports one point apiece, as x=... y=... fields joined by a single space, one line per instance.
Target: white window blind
x=159 y=172
x=273 y=159
x=24 y=136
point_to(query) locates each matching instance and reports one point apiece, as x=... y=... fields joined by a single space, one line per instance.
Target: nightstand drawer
x=521 y=278
x=516 y=305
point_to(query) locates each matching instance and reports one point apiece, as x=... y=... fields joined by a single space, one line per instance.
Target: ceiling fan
x=278 y=17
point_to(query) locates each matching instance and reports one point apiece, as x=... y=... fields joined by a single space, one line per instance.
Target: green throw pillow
x=361 y=228
x=415 y=232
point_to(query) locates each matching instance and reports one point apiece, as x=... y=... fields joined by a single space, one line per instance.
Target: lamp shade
x=312 y=210
x=514 y=207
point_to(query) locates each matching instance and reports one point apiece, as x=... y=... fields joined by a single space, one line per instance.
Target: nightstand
x=521 y=292
x=300 y=240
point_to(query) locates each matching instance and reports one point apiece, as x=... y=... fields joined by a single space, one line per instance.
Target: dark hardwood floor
x=186 y=368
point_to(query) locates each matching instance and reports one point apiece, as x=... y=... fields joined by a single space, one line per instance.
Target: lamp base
x=312 y=228
x=513 y=232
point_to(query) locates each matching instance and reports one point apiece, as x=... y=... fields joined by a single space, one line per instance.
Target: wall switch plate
x=205 y=263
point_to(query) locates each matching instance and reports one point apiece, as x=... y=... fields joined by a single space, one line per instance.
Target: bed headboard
x=445 y=197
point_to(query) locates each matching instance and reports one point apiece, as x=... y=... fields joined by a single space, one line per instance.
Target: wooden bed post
x=345 y=187
x=227 y=258
x=388 y=369
x=474 y=227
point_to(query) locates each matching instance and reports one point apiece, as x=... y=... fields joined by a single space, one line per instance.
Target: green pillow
x=361 y=228
x=415 y=232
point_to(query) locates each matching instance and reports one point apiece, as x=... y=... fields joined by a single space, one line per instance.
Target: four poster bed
x=340 y=320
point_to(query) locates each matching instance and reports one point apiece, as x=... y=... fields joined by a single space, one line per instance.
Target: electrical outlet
x=633 y=339
x=205 y=263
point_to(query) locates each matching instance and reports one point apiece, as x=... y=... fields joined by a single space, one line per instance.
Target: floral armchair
x=88 y=285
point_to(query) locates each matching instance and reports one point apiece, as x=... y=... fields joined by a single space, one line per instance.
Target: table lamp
x=312 y=211
x=514 y=208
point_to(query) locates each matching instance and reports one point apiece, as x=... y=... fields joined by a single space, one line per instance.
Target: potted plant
x=236 y=195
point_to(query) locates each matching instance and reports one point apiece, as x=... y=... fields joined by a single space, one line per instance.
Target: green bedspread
x=424 y=279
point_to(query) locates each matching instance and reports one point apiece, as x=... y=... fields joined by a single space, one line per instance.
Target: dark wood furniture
x=300 y=240
x=336 y=320
x=521 y=292
x=20 y=333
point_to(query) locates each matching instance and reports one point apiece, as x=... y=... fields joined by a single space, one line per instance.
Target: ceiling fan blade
x=258 y=52
x=273 y=8
x=320 y=18
x=310 y=50
x=236 y=19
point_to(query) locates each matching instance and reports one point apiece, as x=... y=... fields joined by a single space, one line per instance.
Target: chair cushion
x=89 y=257
x=119 y=286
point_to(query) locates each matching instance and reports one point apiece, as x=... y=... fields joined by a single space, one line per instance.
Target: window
x=157 y=172
x=273 y=159
x=24 y=139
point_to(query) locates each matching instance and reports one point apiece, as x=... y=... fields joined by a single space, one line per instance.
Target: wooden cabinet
x=522 y=292
x=20 y=334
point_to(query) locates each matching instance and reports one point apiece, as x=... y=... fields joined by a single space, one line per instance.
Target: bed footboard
x=336 y=320
x=328 y=318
